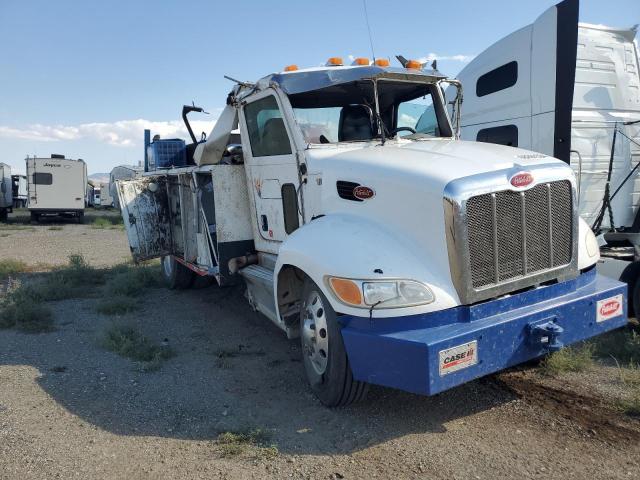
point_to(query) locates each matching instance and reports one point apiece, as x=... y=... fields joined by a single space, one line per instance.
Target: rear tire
x=630 y=276
x=323 y=354
x=176 y=275
x=35 y=218
x=4 y=215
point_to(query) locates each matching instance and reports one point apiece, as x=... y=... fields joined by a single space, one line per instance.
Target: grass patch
x=631 y=405
x=132 y=280
x=623 y=345
x=107 y=222
x=14 y=226
x=238 y=442
x=569 y=359
x=11 y=267
x=56 y=228
x=77 y=279
x=20 y=310
x=128 y=342
x=118 y=305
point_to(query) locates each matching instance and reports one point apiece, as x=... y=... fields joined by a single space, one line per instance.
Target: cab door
x=272 y=169
x=146 y=215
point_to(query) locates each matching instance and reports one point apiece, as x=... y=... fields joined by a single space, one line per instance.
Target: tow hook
x=545 y=335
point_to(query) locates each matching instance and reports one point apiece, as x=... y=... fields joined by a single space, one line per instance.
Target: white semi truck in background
x=359 y=222
x=570 y=90
x=6 y=192
x=56 y=186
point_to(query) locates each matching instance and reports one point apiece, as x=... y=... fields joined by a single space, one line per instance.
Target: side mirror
x=233 y=154
x=234 y=149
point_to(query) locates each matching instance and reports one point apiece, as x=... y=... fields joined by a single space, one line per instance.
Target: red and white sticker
x=609 y=308
x=456 y=358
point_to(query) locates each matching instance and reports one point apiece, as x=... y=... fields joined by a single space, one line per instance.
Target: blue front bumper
x=411 y=353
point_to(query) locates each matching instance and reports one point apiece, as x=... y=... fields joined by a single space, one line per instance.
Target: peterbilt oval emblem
x=363 y=193
x=521 y=179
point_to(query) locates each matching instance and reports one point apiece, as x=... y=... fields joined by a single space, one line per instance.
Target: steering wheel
x=393 y=132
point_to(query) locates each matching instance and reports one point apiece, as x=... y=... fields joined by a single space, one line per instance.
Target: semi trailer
x=570 y=90
x=6 y=192
x=56 y=186
x=360 y=223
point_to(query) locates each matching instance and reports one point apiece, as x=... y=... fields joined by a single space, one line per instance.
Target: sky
x=84 y=78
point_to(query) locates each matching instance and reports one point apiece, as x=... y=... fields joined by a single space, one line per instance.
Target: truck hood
x=435 y=161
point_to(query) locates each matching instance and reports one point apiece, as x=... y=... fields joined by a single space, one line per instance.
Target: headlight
x=381 y=294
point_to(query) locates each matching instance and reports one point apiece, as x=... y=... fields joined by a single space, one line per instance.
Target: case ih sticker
x=457 y=358
x=609 y=308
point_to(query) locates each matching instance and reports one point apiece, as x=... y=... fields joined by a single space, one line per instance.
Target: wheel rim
x=167 y=266
x=315 y=335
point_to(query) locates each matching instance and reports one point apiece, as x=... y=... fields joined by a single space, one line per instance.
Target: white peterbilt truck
x=400 y=255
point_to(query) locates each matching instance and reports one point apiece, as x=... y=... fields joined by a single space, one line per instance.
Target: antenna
x=366 y=17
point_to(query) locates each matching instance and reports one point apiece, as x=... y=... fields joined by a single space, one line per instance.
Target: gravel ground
x=52 y=241
x=68 y=408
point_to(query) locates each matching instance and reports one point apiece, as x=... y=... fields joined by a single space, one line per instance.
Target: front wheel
x=175 y=274
x=324 y=356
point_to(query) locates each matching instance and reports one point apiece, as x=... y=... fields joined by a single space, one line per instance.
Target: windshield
x=347 y=112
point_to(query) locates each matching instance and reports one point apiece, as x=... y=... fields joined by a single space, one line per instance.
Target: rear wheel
x=4 y=215
x=175 y=274
x=35 y=218
x=324 y=356
x=630 y=276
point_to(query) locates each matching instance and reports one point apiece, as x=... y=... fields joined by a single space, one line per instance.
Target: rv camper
x=121 y=172
x=56 y=186
x=6 y=193
x=571 y=91
x=19 y=188
x=106 y=200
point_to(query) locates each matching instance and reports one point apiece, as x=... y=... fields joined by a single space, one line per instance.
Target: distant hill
x=99 y=177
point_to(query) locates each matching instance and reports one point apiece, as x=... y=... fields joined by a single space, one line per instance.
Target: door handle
x=264 y=222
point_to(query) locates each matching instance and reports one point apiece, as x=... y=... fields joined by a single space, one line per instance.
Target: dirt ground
x=69 y=408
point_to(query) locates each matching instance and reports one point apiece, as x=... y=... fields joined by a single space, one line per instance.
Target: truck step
x=259 y=282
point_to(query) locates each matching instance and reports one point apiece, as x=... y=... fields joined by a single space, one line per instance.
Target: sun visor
x=210 y=152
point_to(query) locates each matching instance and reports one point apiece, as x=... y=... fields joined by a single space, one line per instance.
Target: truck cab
x=360 y=223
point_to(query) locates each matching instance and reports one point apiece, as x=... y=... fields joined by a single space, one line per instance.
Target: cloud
x=457 y=58
x=123 y=133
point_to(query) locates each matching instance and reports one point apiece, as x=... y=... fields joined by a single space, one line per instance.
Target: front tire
x=324 y=356
x=176 y=275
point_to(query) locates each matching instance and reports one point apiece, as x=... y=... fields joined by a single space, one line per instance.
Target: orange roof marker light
x=291 y=68
x=361 y=61
x=335 y=62
x=382 y=62
x=414 y=64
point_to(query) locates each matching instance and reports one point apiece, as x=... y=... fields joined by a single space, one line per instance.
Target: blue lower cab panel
x=429 y=353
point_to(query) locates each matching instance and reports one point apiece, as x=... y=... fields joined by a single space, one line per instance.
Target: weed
x=20 y=310
x=631 y=404
x=128 y=342
x=75 y=280
x=118 y=305
x=235 y=443
x=569 y=359
x=132 y=280
x=11 y=267
x=622 y=344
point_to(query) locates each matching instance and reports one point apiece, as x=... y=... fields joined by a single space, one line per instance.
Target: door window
x=265 y=125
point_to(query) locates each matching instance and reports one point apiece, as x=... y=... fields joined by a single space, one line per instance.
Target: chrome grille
x=515 y=234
